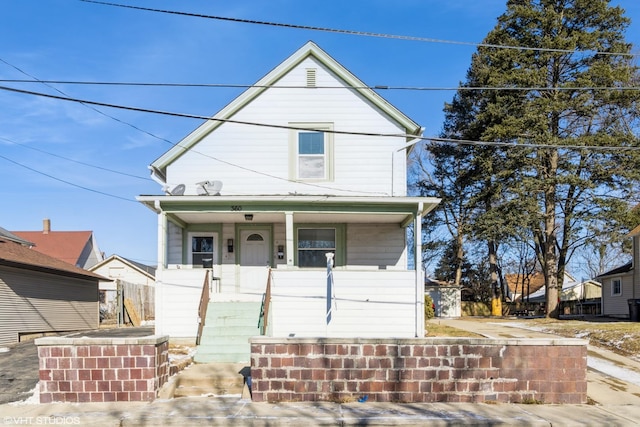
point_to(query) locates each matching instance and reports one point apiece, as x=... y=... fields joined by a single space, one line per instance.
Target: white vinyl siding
x=616 y=305
x=367 y=304
x=258 y=158
x=33 y=302
x=376 y=246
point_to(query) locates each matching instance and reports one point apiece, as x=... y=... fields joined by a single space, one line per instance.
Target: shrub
x=429 y=308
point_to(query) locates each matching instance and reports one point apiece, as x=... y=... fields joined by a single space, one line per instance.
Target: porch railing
x=202 y=309
x=264 y=308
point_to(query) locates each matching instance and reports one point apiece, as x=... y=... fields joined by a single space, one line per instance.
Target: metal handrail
x=202 y=308
x=264 y=308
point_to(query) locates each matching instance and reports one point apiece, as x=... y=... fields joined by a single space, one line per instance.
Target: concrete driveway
x=19 y=365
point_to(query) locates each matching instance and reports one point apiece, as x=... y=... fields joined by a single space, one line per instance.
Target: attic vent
x=311 y=77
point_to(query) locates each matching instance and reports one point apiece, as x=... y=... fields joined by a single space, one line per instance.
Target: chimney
x=46 y=226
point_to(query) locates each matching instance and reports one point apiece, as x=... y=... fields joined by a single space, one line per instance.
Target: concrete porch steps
x=208 y=379
x=228 y=327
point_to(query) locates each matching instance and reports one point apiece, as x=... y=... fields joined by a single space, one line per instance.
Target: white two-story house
x=305 y=163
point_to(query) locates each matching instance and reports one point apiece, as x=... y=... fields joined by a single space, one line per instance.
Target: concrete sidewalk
x=207 y=411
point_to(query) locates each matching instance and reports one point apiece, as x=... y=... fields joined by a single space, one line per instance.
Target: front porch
x=363 y=303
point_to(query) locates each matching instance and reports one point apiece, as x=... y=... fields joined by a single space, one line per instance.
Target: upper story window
x=616 y=287
x=311 y=152
x=311 y=155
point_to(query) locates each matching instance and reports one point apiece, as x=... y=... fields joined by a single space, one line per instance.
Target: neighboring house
x=252 y=204
x=575 y=297
x=41 y=294
x=134 y=280
x=78 y=248
x=520 y=286
x=447 y=297
x=622 y=283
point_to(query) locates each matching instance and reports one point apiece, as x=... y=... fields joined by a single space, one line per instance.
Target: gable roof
x=12 y=237
x=309 y=49
x=618 y=270
x=14 y=254
x=63 y=245
x=532 y=282
x=142 y=268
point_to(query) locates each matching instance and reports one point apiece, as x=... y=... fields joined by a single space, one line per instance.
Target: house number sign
x=236 y=208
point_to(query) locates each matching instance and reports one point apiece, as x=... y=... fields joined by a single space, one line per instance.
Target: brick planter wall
x=102 y=369
x=419 y=370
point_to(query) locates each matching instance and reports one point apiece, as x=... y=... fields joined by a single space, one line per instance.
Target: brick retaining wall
x=419 y=370
x=102 y=369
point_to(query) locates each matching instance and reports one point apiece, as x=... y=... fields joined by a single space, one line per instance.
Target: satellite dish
x=178 y=190
x=211 y=188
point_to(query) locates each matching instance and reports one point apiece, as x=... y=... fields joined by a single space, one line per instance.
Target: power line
x=208 y=118
x=67 y=182
x=339 y=132
x=356 y=33
x=145 y=178
x=35 y=79
x=376 y=87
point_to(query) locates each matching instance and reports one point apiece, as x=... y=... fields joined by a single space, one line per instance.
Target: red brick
x=122 y=350
x=141 y=385
x=103 y=386
x=122 y=396
x=123 y=374
x=97 y=397
x=84 y=374
x=55 y=352
x=46 y=397
x=96 y=374
x=148 y=350
x=115 y=362
x=90 y=362
x=129 y=385
x=108 y=350
x=71 y=397
x=51 y=363
x=95 y=351
x=109 y=397
x=77 y=386
x=142 y=362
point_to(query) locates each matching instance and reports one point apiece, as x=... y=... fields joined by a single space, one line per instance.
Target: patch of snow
x=33 y=399
x=4 y=349
x=582 y=335
x=613 y=370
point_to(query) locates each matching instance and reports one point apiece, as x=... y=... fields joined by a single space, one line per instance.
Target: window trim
x=214 y=249
x=340 y=248
x=619 y=280
x=294 y=156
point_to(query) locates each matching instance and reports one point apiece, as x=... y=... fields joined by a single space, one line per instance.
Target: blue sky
x=46 y=145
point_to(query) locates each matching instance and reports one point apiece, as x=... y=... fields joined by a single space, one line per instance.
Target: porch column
x=162 y=264
x=417 y=237
x=289 y=238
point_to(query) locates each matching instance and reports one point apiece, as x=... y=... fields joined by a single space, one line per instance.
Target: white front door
x=255 y=248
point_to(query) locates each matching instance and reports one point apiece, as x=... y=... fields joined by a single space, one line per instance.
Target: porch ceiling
x=277 y=217
x=305 y=208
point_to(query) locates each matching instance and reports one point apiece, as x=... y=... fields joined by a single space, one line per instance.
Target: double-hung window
x=202 y=249
x=311 y=152
x=616 y=287
x=313 y=244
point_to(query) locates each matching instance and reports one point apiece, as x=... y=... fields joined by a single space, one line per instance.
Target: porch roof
x=305 y=208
